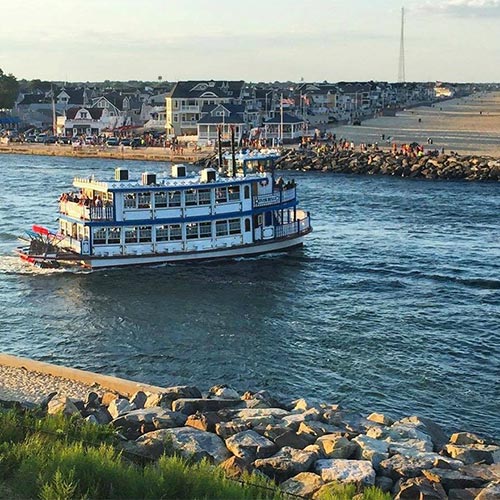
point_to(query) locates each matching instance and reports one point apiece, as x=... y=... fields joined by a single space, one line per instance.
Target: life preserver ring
x=264 y=182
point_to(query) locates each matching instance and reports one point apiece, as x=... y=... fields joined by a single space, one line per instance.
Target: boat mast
x=233 y=152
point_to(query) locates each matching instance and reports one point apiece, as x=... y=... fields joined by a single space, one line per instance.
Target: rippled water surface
x=392 y=305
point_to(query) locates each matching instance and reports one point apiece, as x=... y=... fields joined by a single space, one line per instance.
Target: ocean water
x=392 y=305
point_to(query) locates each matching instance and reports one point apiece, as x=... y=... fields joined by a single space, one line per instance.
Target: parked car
x=30 y=138
x=50 y=139
x=136 y=142
x=113 y=141
x=41 y=138
x=125 y=142
x=64 y=140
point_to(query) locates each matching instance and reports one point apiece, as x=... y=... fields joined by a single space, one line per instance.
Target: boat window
x=234 y=226
x=204 y=196
x=175 y=232
x=247 y=225
x=99 y=236
x=247 y=192
x=191 y=197
x=144 y=200
x=161 y=200
x=145 y=234
x=161 y=233
x=131 y=235
x=130 y=200
x=221 y=228
x=192 y=230
x=234 y=193
x=114 y=235
x=221 y=195
x=205 y=229
x=174 y=199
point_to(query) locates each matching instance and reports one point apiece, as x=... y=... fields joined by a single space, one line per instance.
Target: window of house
x=191 y=197
x=176 y=118
x=221 y=195
x=175 y=232
x=205 y=229
x=174 y=199
x=83 y=114
x=130 y=235
x=161 y=200
x=99 y=236
x=130 y=200
x=114 y=234
x=161 y=233
x=192 y=231
x=221 y=228
x=204 y=197
x=234 y=226
x=234 y=193
x=145 y=234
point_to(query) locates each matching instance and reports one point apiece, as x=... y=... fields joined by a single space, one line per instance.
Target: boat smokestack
x=219 y=147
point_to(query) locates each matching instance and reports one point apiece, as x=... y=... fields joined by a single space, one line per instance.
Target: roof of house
x=75 y=95
x=195 y=89
x=34 y=99
x=95 y=113
x=232 y=108
x=287 y=118
x=115 y=98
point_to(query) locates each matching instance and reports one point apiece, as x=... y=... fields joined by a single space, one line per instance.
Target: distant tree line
x=9 y=89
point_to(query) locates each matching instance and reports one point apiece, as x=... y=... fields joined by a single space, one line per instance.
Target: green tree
x=37 y=84
x=9 y=89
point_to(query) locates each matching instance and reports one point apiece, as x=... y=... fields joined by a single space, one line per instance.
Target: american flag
x=287 y=100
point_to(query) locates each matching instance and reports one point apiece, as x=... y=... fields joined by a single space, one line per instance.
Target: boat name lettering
x=269 y=199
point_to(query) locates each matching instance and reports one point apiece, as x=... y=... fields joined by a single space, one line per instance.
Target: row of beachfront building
x=199 y=108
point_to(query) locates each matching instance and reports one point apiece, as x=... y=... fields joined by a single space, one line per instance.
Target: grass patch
x=338 y=491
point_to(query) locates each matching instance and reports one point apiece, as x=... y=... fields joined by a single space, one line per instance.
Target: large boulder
x=227 y=429
x=371 y=449
x=294 y=420
x=235 y=467
x=335 y=446
x=491 y=492
x=170 y=394
x=136 y=418
x=453 y=479
x=380 y=418
x=401 y=467
x=257 y=416
x=474 y=453
x=317 y=429
x=286 y=437
x=190 y=406
x=223 y=392
x=430 y=428
x=249 y=445
x=420 y=488
x=203 y=421
x=465 y=438
x=188 y=442
x=62 y=405
x=303 y=485
x=286 y=463
x=346 y=471
x=120 y=406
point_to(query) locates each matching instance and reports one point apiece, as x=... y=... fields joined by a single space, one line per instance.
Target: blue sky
x=257 y=40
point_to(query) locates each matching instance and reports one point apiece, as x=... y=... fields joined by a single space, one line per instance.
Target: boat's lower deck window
x=205 y=229
x=131 y=235
x=99 y=236
x=234 y=226
x=145 y=234
x=114 y=235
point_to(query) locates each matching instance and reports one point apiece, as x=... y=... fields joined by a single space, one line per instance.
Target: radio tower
x=401 y=72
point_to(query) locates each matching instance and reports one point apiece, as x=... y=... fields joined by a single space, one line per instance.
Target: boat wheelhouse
x=242 y=209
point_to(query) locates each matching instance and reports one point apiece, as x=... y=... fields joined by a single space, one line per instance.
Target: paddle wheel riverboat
x=239 y=209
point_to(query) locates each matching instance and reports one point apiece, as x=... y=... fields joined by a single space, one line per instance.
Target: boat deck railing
x=83 y=212
x=300 y=226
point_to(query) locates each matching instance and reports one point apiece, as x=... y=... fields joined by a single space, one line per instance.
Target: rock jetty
x=377 y=162
x=304 y=447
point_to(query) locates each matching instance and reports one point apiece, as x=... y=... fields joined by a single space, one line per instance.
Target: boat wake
x=10 y=265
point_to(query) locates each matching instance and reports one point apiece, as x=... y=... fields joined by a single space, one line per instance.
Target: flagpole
x=281 y=122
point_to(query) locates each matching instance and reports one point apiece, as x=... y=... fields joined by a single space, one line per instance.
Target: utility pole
x=401 y=72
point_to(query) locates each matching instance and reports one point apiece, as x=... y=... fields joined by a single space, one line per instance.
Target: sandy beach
x=468 y=125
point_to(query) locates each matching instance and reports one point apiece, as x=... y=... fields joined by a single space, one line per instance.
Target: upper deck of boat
x=162 y=181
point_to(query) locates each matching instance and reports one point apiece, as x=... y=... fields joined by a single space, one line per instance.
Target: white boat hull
x=221 y=253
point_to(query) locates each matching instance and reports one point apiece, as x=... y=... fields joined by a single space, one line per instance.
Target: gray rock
x=452 y=479
x=317 y=429
x=188 y=442
x=293 y=421
x=223 y=392
x=227 y=429
x=491 y=492
x=384 y=483
x=91 y=419
x=203 y=421
x=303 y=485
x=380 y=418
x=399 y=466
x=118 y=407
x=235 y=467
x=136 y=418
x=465 y=494
x=249 y=446
x=139 y=399
x=62 y=405
x=430 y=428
x=192 y=405
x=286 y=437
x=465 y=438
x=420 y=488
x=346 y=471
x=101 y=414
x=335 y=446
x=474 y=453
x=371 y=449
x=286 y=463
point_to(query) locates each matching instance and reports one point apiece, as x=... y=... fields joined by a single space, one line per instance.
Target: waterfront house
x=223 y=116
x=83 y=121
x=293 y=128
x=185 y=101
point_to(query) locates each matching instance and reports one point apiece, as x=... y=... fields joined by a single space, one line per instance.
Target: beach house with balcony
x=184 y=103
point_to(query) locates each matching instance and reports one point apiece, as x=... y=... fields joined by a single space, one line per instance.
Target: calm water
x=393 y=304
